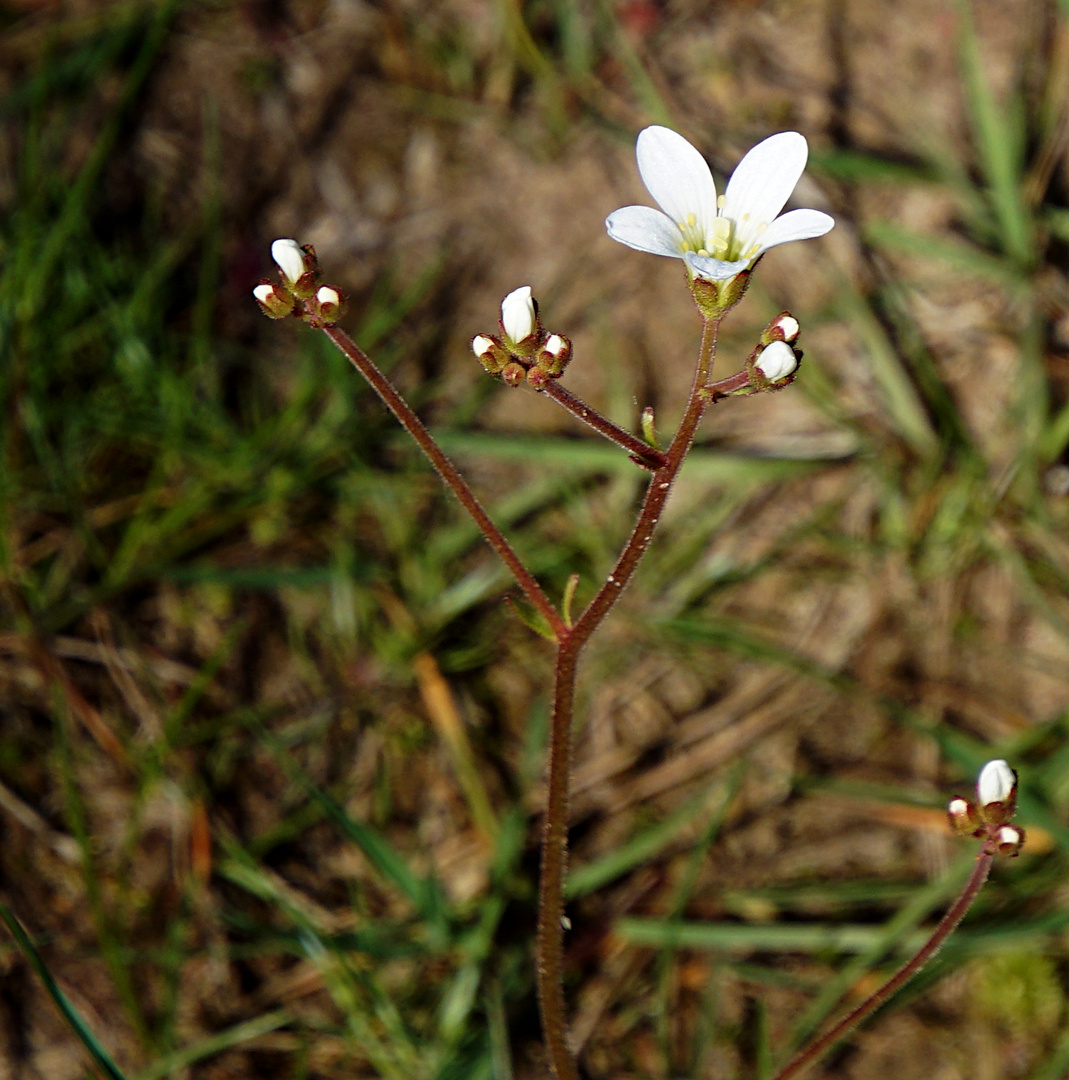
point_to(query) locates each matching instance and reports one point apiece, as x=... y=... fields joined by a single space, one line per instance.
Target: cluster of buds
x=298 y=291
x=990 y=815
x=524 y=352
x=773 y=365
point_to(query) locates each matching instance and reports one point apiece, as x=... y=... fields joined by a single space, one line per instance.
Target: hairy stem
x=946 y=926
x=555 y=830
x=647 y=456
x=449 y=474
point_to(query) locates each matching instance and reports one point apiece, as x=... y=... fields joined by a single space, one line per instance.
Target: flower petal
x=677 y=176
x=705 y=266
x=645 y=229
x=796 y=225
x=762 y=182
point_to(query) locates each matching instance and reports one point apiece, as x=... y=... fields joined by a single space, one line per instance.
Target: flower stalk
x=720 y=241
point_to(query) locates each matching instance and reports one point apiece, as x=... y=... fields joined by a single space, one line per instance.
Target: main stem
x=448 y=472
x=550 y=966
x=946 y=926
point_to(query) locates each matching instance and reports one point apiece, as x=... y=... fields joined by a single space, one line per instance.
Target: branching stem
x=571 y=639
x=449 y=474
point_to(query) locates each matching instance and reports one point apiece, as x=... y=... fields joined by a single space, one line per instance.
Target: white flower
x=717 y=238
x=777 y=361
x=996 y=782
x=289 y=259
x=481 y=344
x=264 y=292
x=327 y=295
x=518 y=314
x=555 y=345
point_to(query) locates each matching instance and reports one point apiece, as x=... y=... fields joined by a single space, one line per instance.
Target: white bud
x=554 y=345
x=777 y=361
x=788 y=324
x=289 y=259
x=327 y=295
x=958 y=808
x=996 y=782
x=518 y=314
x=263 y=293
x=481 y=344
x=1008 y=835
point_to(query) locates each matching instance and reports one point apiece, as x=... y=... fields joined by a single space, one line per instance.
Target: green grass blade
x=999 y=143
x=215 y=1044
x=63 y=1003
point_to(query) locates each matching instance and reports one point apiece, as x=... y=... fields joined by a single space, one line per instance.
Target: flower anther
x=717 y=238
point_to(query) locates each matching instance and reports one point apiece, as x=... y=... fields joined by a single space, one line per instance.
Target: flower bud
x=784 y=327
x=1009 y=840
x=490 y=353
x=330 y=304
x=275 y=301
x=777 y=361
x=297 y=265
x=518 y=316
x=555 y=354
x=513 y=373
x=289 y=258
x=997 y=783
x=996 y=792
x=963 y=817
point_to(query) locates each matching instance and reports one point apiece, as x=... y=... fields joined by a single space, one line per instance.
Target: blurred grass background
x=271 y=744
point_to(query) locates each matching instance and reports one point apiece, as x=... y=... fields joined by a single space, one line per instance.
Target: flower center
x=728 y=239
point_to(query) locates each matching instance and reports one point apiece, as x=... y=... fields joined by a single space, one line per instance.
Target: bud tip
x=289 y=258
x=518 y=314
x=996 y=783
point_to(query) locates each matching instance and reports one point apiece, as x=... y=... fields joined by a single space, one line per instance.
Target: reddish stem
x=647 y=456
x=943 y=930
x=448 y=472
x=555 y=832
